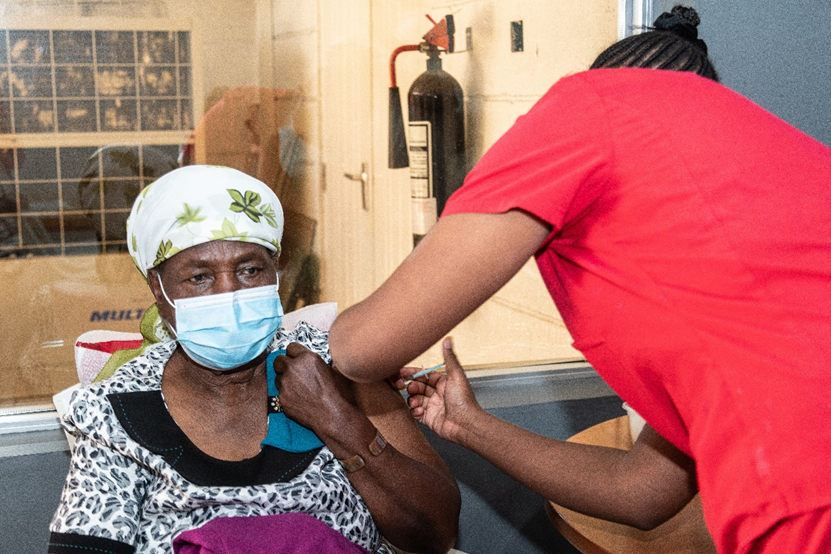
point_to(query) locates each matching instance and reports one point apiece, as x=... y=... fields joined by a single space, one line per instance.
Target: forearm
x=415 y=506
x=641 y=490
x=462 y=262
x=411 y=494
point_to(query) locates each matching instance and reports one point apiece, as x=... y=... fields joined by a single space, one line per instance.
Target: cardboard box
x=47 y=303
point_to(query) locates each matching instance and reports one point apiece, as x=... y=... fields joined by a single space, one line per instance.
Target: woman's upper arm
x=461 y=263
x=102 y=494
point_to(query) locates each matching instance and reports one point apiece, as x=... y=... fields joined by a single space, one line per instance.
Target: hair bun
x=681 y=20
x=687 y=13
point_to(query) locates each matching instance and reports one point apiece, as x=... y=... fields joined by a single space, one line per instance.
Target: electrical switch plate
x=516 y=36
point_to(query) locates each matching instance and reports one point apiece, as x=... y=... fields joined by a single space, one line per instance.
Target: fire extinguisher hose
x=397 y=154
x=405 y=48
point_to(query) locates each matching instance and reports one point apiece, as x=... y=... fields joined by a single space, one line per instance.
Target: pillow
x=94 y=348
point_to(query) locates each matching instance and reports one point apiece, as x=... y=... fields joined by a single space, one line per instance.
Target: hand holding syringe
x=422 y=372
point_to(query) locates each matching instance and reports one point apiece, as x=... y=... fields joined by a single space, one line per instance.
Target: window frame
x=43 y=417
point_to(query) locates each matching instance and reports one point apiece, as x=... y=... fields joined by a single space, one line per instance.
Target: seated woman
x=194 y=430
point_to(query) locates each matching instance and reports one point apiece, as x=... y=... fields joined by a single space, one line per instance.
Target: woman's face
x=211 y=268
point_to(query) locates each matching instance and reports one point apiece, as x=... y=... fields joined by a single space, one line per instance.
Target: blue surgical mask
x=228 y=330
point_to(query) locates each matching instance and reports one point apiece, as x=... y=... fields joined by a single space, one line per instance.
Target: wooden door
x=346 y=130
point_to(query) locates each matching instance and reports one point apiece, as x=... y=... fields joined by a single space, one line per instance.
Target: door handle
x=363 y=177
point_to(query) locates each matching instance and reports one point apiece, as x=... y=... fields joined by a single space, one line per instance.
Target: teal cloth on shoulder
x=283 y=432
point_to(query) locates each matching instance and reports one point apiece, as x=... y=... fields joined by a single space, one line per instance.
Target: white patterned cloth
x=127 y=491
x=197 y=204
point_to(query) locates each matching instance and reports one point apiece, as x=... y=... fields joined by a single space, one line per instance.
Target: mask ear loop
x=166 y=297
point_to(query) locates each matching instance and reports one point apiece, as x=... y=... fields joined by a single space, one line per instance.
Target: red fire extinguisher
x=435 y=130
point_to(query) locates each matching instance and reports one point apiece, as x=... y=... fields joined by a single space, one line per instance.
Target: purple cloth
x=294 y=533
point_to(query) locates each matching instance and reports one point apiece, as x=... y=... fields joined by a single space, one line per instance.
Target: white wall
x=226 y=42
x=499 y=85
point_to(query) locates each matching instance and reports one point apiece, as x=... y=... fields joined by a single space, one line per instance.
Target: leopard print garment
x=120 y=490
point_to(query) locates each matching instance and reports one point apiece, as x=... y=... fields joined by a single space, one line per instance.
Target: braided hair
x=671 y=43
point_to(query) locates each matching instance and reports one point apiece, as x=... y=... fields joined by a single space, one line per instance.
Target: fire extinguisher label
x=424 y=215
x=421 y=156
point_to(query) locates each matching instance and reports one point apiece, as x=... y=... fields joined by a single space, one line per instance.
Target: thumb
x=452 y=366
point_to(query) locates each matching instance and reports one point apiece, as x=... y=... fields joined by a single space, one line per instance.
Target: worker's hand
x=445 y=403
x=398 y=382
x=312 y=393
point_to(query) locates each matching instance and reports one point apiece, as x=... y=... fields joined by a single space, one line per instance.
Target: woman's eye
x=199 y=278
x=248 y=271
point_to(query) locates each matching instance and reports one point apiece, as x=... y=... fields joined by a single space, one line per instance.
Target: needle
x=429 y=370
x=423 y=372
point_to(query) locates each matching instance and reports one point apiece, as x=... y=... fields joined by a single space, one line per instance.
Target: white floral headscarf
x=197 y=204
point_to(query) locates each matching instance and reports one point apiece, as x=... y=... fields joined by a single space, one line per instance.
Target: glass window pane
x=77 y=162
x=159 y=115
x=31 y=81
x=158 y=81
x=120 y=161
x=115 y=247
x=157 y=160
x=37 y=164
x=80 y=186
x=115 y=47
x=41 y=230
x=157 y=47
x=77 y=116
x=184 y=81
x=7 y=169
x=4 y=82
x=72 y=46
x=119 y=115
x=34 y=117
x=79 y=195
x=120 y=193
x=96 y=223
x=186 y=111
x=9 y=236
x=39 y=197
x=79 y=229
x=3 y=50
x=115 y=228
x=116 y=80
x=75 y=81
x=71 y=250
x=42 y=251
x=8 y=199
x=183 y=43
x=29 y=47
x=5 y=118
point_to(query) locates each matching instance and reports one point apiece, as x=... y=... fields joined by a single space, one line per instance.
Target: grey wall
x=30 y=489
x=775 y=53
x=499 y=516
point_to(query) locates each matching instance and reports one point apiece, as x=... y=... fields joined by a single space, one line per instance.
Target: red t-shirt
x=690 y=258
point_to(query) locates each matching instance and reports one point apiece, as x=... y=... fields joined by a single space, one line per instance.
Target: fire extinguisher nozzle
x=398 y=156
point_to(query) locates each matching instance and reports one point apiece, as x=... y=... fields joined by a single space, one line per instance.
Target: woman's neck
x=202 y=380
x=224 y=413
